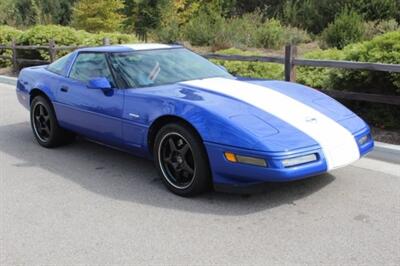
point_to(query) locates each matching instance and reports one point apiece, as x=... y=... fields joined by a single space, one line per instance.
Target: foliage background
x=357 y=30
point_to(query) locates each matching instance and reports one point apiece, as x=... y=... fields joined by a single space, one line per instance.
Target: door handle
x=64 y=89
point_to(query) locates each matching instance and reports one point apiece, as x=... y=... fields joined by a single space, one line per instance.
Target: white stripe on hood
x=338 y=144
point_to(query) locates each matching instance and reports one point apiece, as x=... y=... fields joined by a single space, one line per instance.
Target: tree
x=19 y=12
x=315 y=15
x=31 y=12
x=348 y=27
x=55 y=11
x=142 y=15
x=244 y=6
x=99 y=15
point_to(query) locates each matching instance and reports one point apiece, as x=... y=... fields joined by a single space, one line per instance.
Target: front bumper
x=228 y=173
x=238 y=175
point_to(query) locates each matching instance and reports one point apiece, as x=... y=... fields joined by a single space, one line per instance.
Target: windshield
x=160 y=67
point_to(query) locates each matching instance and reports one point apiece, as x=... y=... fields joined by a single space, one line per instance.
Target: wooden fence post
x=106 y=41
x=290 y=68
x=52 y=51
x=14 y=56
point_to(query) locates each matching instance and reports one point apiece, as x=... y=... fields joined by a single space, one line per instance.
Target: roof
x=129 y=47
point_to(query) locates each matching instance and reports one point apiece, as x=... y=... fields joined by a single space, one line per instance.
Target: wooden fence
x=289 y=60
x=52 y=49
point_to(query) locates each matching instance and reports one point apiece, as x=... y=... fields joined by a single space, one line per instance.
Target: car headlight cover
x=299 y=160
x=364 y=139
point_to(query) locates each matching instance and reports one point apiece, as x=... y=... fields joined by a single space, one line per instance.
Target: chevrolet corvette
x=202 y=126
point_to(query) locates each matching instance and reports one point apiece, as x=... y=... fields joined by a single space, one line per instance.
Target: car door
x=92 y=112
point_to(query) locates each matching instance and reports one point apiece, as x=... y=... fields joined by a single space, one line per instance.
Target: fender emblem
x=312 y=120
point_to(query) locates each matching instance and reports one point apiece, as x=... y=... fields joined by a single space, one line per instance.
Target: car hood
x=281 y=115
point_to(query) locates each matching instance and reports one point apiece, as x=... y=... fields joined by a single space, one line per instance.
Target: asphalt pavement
x=91 y=205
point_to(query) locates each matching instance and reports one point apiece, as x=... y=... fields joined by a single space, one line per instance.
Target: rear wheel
x=181 y=160
x=45 y=126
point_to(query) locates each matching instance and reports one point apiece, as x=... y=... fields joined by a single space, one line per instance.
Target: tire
x=45 y=126
x=183 y=164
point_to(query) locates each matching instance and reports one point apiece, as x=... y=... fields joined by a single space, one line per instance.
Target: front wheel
x=181 y=160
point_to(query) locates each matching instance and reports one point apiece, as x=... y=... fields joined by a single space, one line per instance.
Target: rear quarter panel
x=36 y=78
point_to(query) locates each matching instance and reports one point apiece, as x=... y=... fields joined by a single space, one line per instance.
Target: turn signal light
x=231 y=157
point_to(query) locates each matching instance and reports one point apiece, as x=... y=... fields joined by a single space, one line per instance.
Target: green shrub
x=315 y=15
x=169 y=29
x=239 y=31
x=203 y=27
x=41 y=35
x=207 y=27
x=383 y=49
x=347 y=28
x=271 y=34
x=6 y=36
x=7 y=33
x=295 y=35
x=318 y=77
x=251 y=30
x=97 y=16
x=168 y=32
x=248 y=30
x=250 y=69
x=374 y=28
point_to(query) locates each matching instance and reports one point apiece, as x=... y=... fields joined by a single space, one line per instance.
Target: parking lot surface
x=91 y=205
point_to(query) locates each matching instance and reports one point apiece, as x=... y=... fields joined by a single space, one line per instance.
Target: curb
x=8 y=80
x=382 y=151
x=386 y=152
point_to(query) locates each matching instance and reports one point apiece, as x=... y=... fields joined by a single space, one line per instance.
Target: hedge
x=42 y=34
x=250 y=69
x=382 y=49
x=7 y=34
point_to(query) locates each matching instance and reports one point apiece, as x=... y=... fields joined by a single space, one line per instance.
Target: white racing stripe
x=337 y=143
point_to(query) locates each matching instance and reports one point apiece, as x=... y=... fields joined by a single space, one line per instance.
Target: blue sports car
x=201 y=125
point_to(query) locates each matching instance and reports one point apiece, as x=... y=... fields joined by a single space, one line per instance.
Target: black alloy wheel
x=45 y=125
x=177 y=161
x=181 y=160
x=41 y=123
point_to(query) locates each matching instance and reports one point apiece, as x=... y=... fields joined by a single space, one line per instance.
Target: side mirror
x=99 y=84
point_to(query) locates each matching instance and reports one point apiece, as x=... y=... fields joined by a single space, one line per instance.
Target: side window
x=91 y=65
x=59 y=65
